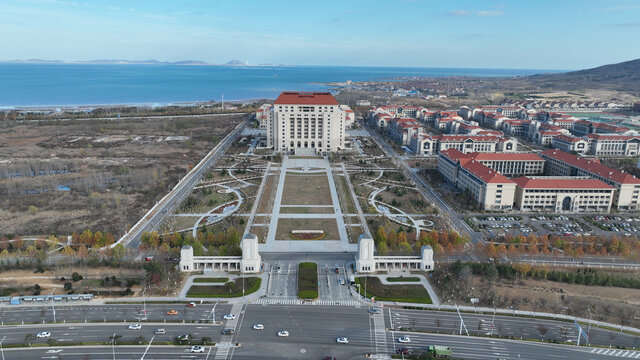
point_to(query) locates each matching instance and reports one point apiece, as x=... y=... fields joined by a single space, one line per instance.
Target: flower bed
x=307 y=234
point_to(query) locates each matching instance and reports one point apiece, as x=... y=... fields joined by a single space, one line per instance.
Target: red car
x=402 y=351
x=329 y=358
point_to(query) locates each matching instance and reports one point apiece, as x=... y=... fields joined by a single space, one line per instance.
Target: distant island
x=233 y=62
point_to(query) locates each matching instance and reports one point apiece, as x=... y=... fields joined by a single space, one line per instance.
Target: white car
x=44 y=334
x=229 y=317
x=342 y=340
x=197 y=349
x=135 y=327
x=283 y=333
x=375 y=311
x=404 y=339
x=258 y=327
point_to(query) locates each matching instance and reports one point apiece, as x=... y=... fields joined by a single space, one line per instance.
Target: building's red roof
x=490 y=132
x=556 y=183
x=550 y=133
x=305 y=98
x=592 y=166
x=454 y=154
x=611 y=137
x=483 y=172
x=568 y=138
x=465 y=137
x=505 y=156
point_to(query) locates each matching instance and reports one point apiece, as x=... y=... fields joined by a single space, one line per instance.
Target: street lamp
x=1 y=348
x=113 y=350
x=53 y=305
x=589 y=327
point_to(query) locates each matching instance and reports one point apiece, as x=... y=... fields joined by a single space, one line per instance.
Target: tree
x=28 y=338
x=543 y=330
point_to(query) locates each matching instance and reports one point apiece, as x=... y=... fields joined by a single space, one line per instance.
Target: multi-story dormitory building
x=570 y=184
x=422 y=144
x=627 y=186
x=306 y=122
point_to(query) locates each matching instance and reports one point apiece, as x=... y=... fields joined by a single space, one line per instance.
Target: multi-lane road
x=313 y=332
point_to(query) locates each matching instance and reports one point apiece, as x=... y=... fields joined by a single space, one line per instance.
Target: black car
x=228 y=332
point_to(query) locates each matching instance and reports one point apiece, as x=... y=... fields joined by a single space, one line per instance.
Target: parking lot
x=560 y=225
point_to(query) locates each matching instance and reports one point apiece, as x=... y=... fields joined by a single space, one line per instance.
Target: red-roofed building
x=556 y=194
x=585 y=127
x=570 y=143
x=490 y=189
x=264 y=115
x=560 y=163
x=433 y=144
x=306 y=123
x=511 y=164
x=613 y=144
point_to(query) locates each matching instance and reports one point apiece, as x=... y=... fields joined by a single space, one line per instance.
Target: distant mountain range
x=624 y=76
x=233 y=62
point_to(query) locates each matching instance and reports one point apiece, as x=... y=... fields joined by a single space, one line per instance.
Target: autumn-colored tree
x=490 y=250
x=67 y=250
x=502 y=249
x=18 y=243
x=82 y=252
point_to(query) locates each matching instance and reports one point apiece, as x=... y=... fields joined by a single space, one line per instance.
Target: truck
x=439 y=351
x=352 y=279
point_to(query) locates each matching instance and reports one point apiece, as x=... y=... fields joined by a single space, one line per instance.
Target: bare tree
x=543 y=330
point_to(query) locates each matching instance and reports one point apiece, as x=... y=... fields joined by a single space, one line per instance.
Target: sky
x=541 y=34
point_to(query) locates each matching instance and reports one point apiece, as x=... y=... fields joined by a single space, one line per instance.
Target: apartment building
x=306 y=122
x=490 y=189
x=423 y=144
x=570 y=143
x=627 y=187
x=562 y=193
x=511 y=164
x=401 y=130
x=585 y=127
x=264 y=115
x=611 y=144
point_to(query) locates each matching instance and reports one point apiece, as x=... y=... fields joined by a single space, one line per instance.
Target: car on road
x=329 y=358
x=197 y=349
x=191 y=304
x=229 y=317
x=172 y=312
x=258 y=327
x=342 y=340
x=403 y=351
x=375 y=311
x=44 y=334
x=341 y=281
x=337 y=270
x=283 y=333
x=228 y=332
x=184 y=337
x=404 y=339
x=135 y=327
x=148 y=258
x=160 y=331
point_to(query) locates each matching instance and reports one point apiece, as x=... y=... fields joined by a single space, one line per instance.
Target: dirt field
x=268 y=194
x=65 y=177
x=306 y=190
x=329 y=226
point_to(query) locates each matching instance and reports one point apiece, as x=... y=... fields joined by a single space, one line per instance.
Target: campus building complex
x=306 y=122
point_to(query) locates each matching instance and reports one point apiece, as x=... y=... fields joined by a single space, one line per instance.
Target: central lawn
x=230 y=289
x=306 y=190
x=306 y=210
x=308 y=280
x=400 y=293
x=329 y=226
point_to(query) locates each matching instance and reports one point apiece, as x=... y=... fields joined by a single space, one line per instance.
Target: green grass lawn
x=308 y=280
x=400 y=293
x=230 y=289
x=211 y=280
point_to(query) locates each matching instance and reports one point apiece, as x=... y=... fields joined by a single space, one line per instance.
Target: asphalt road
x=313 y=332
x=152 y=219
x=109 y=312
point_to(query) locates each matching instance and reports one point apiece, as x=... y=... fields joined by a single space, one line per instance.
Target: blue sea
x=83 y=84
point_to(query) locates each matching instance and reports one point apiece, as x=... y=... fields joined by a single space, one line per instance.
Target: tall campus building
x=306 y=123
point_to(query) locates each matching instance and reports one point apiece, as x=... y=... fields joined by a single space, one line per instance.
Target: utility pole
x=1 y=348
x=113 y=350
x=213 y=313
x=53 y=306
x=462 y=325
x=493 y=319
x=147 y=349
x=589 y=327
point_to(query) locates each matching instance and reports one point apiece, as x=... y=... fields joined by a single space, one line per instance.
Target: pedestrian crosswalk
x=276 y=301
x=380 y=333
x=222 y=351
x=629 y=354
